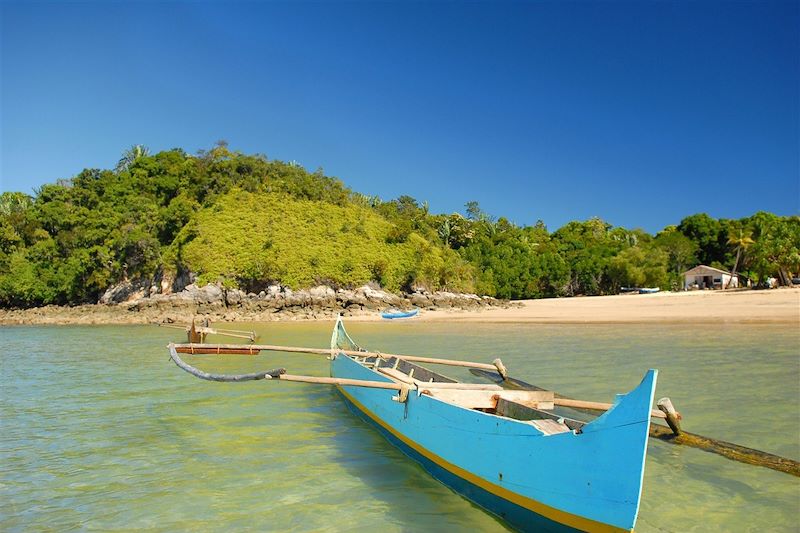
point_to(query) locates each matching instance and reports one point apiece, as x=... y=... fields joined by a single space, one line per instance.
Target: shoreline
x=775 y=306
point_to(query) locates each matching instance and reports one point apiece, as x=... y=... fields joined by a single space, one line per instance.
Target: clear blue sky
x=640 y=113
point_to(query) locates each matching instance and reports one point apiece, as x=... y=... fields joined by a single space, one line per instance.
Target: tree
x=473 y=210
x=776 y=251
x=130 y=155
x=741 y=239
x=679 y=248
x=587 y=247
x=705 y=232
x=456 y=231
x=638 y=267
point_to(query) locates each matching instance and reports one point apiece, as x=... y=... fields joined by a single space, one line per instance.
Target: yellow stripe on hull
x=551 y=513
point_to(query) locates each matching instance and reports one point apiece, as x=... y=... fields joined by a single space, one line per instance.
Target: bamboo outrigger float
x=517 y=454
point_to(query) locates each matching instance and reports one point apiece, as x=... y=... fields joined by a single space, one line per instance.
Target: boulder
x=125 y=291
x=209 y=294
x=420 y=300
x=234 y=297
x=377 y=298
x=443 y=299
x=322 y=297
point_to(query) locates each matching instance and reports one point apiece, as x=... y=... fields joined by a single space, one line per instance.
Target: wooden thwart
x=405 y=378
x=481 y=399
x=563 y=401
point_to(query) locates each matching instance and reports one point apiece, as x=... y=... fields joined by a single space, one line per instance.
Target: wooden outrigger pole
x=193 y=348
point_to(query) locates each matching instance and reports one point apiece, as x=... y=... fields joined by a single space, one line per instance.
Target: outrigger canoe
x=505 y=450
x=509 y=451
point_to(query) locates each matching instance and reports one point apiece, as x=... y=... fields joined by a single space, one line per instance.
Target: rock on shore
x=138 y=303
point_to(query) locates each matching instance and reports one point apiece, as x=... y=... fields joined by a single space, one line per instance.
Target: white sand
x=743 y=306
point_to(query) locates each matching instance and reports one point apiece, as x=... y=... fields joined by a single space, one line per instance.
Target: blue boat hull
x=517 y=516
x=404 y=314
x=589 y=481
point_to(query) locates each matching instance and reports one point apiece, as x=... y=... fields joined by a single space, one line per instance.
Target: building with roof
x=706 y=277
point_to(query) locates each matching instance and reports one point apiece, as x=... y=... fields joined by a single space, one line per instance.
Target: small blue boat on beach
x=649 y=290
x=393 y=314
x=506 y=450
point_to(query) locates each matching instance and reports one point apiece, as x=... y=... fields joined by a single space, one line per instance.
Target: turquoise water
x=99 y=431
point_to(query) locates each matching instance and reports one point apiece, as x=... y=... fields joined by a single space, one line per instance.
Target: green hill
x=253 y=239
x=248 y=221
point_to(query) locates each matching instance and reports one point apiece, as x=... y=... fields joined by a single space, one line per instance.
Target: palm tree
x=741 y=239
x=130 y=155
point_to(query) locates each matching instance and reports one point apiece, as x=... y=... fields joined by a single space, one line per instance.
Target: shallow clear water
x=100 y=431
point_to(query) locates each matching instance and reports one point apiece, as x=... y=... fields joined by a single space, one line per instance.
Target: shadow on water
x=390 y=473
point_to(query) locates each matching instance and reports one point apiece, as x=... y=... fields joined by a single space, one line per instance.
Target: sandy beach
x=746 y=306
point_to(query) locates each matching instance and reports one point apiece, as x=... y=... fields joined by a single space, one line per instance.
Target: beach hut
x=706 y=277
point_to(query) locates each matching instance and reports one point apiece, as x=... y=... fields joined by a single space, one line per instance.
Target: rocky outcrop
x=278 y=302
x=161 y=283
x=126 y=290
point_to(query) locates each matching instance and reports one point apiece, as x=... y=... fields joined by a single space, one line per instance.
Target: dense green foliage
x=248 y=221
x=255 y=239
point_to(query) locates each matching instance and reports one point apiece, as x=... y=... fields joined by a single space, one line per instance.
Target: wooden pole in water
x=729 y=450
x=672 y=416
